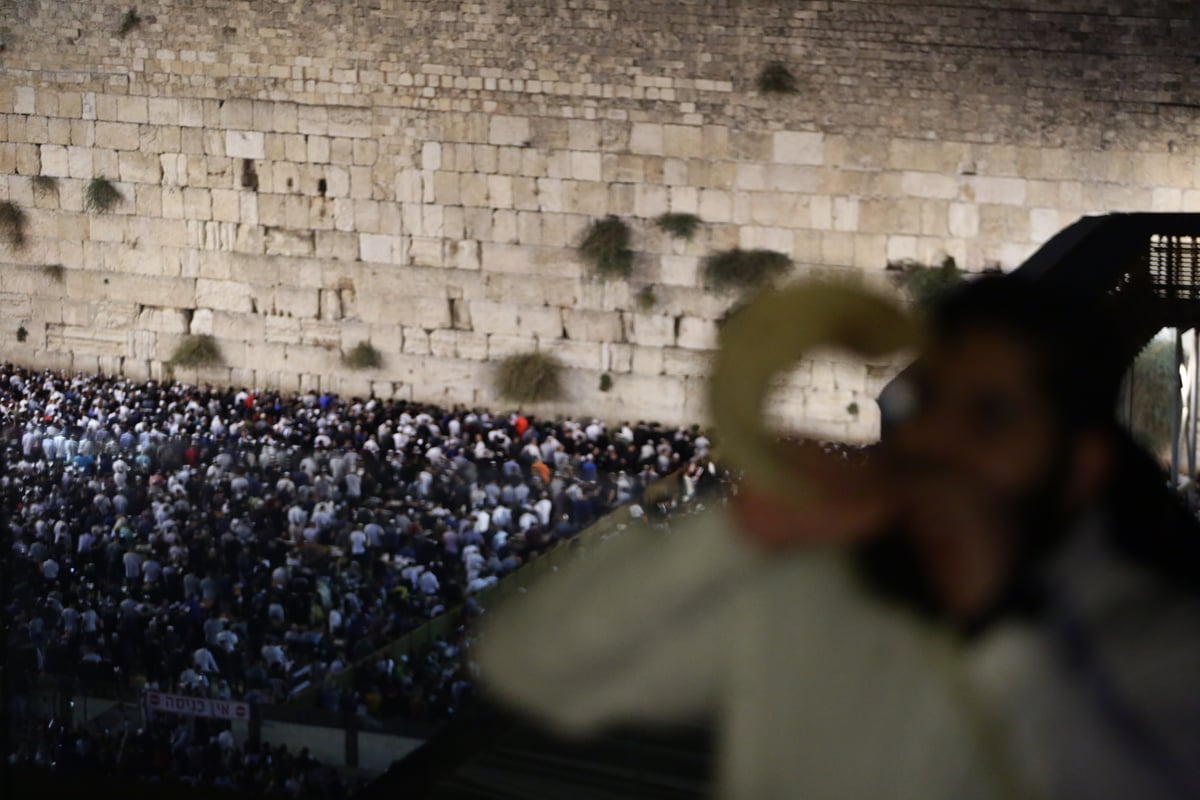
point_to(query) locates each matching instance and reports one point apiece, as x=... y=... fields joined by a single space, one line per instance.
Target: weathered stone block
x=696 y=333
x=646 y=138
x=117 y=136
x=245 y=144
x=798 y=147
x=592 y=326
x=505 y=130
x=222 y=295
x=650 y=330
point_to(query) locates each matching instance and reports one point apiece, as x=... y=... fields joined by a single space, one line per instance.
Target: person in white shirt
x=202 y=660
x=428 y=582
x=358 y=542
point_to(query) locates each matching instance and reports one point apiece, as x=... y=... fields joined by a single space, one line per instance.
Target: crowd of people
x=246 y=545
x=197 y=752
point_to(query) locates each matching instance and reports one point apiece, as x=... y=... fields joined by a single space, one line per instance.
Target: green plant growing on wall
x=529 y=378
x=679 y=226
x=646 y=298
x=606 y=382
x=744 y=269
x=100 y=195
x=1153 y=387
x=200 y=350
x=129 y=22
x=22 y=334
x=55 y=272
x=924 y=284
x=363 y=356
x=852 y=409
x=776 y=78
x=12 y=224
x=606 y=248
x=45 y=185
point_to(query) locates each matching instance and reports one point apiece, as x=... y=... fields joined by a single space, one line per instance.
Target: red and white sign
x=196 y=706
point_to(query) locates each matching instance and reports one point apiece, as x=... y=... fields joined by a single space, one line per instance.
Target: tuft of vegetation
x=129 y=22
x=12 y=224
x=744 y=269
x=45 y=185
x=363 y=356
x=924 y=284
x=55 y=272
x=100 y=195
x=646 y=299
x=200 y=350
x=679 y=226
x=606 y=382
x=776 y=78
x=22 y=334
x=852 y=409
x=606 y=248
x=1153 y=387
x=529 y=378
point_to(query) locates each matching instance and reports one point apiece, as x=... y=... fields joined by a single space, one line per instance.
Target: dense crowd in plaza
x=197 y=752
x=246 y=545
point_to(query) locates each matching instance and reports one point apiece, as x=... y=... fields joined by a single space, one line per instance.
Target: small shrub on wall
x=12 y=224
x=529 y=378
x=197 y=351
x=45 y=185
x=924 y=284
x=776 y=78
x=744 y=269
x=646 y=298
x=129 y=23
x=100 y=195
x=55 y=272
x=606 y=248
x=606 y=382
x=679 y=226
x=363 y=356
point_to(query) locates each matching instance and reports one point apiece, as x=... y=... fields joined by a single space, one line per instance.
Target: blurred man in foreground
x=1004 y=602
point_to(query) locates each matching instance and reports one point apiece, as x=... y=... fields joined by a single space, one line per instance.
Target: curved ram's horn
x=770 y=334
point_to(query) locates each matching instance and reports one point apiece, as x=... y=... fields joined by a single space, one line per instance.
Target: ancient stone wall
x=298 y=177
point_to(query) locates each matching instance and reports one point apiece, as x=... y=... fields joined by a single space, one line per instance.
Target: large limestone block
x=798 y=147
x=646 y=138
x=592 y=326
x=55 y=162
x=573 y=354
x=506 y=130
x=115 y=315
x=650 y=330
x=491 y=317
x=87 y=340
x=245 y=144
x=222 y=295
x=501 y=346
x=687 y=363
x=117 y=136
x=310 y=359
x=697 y=334
x=1003 y=191
x=162 y=320
x=683 y=141
x=135 y=167
x=238 y=114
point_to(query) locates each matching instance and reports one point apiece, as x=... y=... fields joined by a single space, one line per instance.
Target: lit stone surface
x=292 y=199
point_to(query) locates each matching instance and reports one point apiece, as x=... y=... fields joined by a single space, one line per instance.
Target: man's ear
x=1092 y=464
